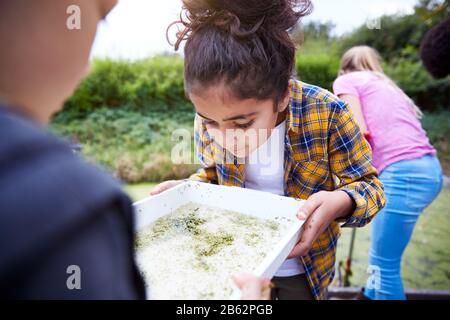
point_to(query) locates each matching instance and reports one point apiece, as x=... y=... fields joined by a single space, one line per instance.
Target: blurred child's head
x=435 y=50
x=41 y=59
x=360 y=58
x=239 y=59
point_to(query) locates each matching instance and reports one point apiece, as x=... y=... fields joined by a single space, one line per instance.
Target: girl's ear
x=285 y=102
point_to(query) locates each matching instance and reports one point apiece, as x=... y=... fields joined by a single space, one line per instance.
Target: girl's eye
x=245 y=125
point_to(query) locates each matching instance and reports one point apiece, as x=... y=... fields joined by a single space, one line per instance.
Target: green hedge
x=156 y=84
x=437 y=126
x=320 y=70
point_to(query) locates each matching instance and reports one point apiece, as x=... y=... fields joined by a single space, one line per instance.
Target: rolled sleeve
x=350 y=162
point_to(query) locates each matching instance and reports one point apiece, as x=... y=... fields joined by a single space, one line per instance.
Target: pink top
x=395 y=132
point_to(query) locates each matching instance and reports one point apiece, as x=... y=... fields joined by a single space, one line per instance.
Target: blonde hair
x=365 y=58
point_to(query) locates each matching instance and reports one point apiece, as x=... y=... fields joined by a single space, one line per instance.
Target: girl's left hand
x=319 y=211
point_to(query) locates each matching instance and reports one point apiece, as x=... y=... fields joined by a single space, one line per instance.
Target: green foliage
x=135 y=146
x=399 y=36
x=313 y=31
x=432 y=12
x=319 y=69
x=317 y=60
x=319 y=30
x=154 y=84
x=395 y=34
x=124 y=114
x=429 y=94
x=437 y=126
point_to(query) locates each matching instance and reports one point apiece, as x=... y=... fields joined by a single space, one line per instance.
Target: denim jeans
x=410 y=186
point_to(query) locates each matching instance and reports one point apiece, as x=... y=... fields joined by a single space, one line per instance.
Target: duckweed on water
x=167 y=225
x=211 y=243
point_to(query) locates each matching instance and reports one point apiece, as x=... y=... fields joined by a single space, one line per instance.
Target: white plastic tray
x=246 y=201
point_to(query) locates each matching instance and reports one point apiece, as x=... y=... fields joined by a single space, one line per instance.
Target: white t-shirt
x=264 y=170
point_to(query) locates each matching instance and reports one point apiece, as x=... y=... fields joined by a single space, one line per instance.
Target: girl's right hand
x=163 y=186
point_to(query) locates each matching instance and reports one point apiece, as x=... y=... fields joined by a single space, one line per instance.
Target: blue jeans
x=410 y=186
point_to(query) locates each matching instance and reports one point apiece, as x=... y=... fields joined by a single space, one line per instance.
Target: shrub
x=133 y=145
x=320 y=70
x=437 y=126
x=155 y=84
x=395 y=33
x=429 y=94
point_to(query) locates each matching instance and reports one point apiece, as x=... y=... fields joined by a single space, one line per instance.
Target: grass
x=426 y=262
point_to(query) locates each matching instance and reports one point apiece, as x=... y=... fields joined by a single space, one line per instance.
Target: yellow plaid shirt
x=324 y=150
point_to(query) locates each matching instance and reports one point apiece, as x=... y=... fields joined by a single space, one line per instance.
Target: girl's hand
x=319 y=211
x=163 y=186
x=252 y=288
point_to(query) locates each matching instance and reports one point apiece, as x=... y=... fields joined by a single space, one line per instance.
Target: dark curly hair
x=243 y=44
x=435 y=50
